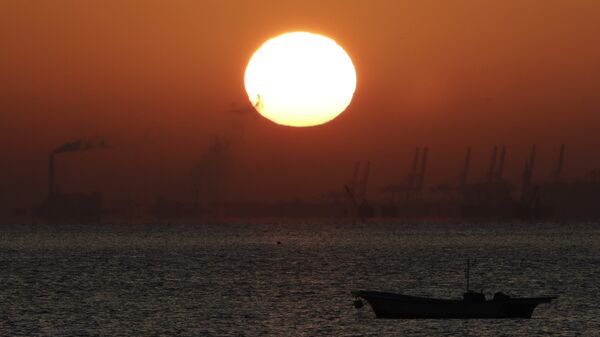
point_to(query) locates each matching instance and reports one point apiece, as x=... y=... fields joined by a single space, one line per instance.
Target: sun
x=300 y=79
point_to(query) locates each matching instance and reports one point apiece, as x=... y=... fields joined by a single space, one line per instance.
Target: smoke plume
x=79 y=145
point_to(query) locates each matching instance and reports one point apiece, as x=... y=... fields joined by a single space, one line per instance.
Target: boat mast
x=467 y=273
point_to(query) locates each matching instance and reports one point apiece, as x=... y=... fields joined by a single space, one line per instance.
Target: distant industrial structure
x=208 y=178
x=579 y=199
x=357 y=193
x=406 y=198
x=69 y=207
x=492 y=197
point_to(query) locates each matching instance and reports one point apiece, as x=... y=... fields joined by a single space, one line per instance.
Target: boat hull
x=388 y=305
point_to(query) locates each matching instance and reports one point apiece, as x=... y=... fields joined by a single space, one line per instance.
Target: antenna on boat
x=467 y=272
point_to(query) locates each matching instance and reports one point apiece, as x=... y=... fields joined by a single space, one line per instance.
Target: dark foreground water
x=236 y=280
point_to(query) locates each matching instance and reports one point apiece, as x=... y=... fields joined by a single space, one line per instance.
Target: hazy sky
x=159 y=79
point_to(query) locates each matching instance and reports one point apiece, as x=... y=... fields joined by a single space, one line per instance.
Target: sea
x=289 y=279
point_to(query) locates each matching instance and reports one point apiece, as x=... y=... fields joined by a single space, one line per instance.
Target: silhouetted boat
x=473 y=305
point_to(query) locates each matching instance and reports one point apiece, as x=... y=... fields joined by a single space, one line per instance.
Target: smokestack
x=526 y=183
x=353 y=183
x=561 y=162
x=532 y=161
x=528 y=176
x=490 y=175
x=413 y=172
x=465 y=172
x=501 y=164
x=51 y=175
x=362 y=193
x=423 y=167
x=78 y=145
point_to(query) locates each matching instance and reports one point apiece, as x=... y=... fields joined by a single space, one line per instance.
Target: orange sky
x=158 y=79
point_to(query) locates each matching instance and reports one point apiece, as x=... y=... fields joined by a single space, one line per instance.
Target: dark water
x=236 y=280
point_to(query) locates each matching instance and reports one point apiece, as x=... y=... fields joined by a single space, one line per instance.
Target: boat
x=472 y=305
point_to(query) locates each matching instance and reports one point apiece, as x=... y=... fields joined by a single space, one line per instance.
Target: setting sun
x=300 y=79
